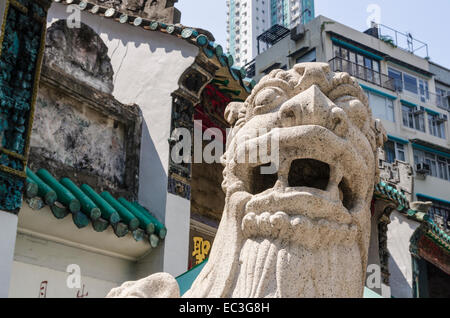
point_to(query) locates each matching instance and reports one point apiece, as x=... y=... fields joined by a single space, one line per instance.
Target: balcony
x=250 y=68
x=359 y=71
x=425 y=97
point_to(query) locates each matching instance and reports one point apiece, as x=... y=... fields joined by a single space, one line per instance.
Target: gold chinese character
x=201 y=249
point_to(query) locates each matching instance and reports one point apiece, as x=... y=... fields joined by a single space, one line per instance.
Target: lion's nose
x=313 y=107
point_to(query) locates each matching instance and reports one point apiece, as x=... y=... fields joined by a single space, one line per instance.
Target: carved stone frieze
x=157 y=10
x=81 y=53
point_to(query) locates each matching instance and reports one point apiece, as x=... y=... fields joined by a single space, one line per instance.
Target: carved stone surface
x=398 y=174
x=157 y=10
x=420 y=206
x=180 y=173
x=303 y=231
x=11 y=189
x=159 y=285
x=78 y=137
x=76 y=108
x=81 y=53
x=75 y=125
x=20 y=59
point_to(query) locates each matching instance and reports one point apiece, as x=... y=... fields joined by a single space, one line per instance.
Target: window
x=440 y=213
x=439 y=166
x=423 y=90
x=308 y=57
x=442 y=166
x=412 y=118
x=397 y=76
x=358 y=65
x=369 y=67
x=436 y=126
x=442 y=101
x=382 y=107
x=394 y=151
x=410 y=83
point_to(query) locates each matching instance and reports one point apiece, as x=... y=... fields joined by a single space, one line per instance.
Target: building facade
x=247 y=19
x=95 y=198
x=410 y=96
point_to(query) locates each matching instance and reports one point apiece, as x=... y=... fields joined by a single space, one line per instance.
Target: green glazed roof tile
x=87 y=206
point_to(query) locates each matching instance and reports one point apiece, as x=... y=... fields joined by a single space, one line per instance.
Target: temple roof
x=87 y=206
x=387 y=192
x=231 y=80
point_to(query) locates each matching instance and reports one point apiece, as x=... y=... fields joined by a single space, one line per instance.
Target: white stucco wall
x=37 y=259
x=147 y=66
x=8 y=228
x=177 y=244
x=399 y=232
x=433 y=187
x=28 y=279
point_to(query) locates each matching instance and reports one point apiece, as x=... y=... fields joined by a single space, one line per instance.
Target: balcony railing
x=359 y=71
x=250 y=68
x=424 y=96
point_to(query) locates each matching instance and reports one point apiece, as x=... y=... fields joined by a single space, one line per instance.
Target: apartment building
x=247 y=19
x=407 y=92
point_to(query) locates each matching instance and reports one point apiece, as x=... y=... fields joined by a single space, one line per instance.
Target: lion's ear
x=232 y=112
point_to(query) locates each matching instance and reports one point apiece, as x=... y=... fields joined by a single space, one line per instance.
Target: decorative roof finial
x=158 y=10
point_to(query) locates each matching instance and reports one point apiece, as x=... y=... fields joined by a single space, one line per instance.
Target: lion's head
x=303 y=229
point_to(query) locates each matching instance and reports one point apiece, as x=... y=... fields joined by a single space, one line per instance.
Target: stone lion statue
x=302 y=231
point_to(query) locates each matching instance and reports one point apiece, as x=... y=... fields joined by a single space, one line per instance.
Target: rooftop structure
x=248 y=19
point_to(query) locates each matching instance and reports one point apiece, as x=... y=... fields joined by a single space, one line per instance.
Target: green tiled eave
x=387 y=192
x=88 y=207
x=390 y=193
x=238 y=87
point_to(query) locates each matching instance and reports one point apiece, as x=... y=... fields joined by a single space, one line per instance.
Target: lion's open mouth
x=313 y=181
x=313 y=190
x=312 y=161
x=309 y=173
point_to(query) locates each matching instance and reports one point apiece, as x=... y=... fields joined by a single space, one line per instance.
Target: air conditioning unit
x=440 y=119
x=419 y=111
x=298 y=32
x=423 y=168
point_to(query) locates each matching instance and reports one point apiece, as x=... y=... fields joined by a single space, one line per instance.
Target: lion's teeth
x=297 y=229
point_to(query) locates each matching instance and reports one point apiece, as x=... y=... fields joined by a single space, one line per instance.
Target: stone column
x=22 y=41
x=378 y=254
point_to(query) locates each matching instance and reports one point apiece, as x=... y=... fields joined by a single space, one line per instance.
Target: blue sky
x=427 y=21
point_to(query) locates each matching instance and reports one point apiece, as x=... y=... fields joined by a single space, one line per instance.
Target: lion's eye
x=355 y=109
x=343 y=99
x=267 y=99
